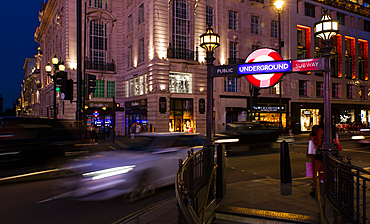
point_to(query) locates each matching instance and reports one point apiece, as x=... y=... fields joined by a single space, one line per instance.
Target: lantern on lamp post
x=325 y=29
x=209 y=41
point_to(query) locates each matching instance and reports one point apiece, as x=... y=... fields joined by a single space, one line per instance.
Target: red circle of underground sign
x=260 y=80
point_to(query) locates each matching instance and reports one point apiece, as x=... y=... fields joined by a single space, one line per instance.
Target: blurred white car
x=149 y=161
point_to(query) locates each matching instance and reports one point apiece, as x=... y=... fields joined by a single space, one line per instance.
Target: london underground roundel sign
x=263 y=80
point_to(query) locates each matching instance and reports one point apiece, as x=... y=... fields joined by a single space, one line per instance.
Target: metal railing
x=179 y=53
x=346 y=187
x=99 y=66
x=192 y=186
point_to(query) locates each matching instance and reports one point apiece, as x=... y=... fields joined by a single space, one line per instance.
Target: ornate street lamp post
x=325 y=29
x=48 y=69
x=209 y=41
x=279 y=6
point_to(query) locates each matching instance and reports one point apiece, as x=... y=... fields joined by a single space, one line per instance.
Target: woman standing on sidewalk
x=313 y=137
x=317 y=161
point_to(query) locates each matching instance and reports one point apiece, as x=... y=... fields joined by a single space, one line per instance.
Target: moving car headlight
x=227 y=140
x=96 y=175
x=358 y=137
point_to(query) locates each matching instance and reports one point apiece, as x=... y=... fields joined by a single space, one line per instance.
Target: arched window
x=98 y=44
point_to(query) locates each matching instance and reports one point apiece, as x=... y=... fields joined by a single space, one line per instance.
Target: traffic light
x=69 y=90
x=61 y=81
x=90 y=84
x=119 y=108
x=256 y=93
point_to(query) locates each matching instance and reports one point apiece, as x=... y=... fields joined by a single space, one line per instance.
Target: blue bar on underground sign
x=265 y=67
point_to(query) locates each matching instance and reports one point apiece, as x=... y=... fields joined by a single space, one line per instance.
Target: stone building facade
x=146 y=55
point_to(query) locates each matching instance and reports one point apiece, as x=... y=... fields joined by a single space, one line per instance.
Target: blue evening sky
x=18 y=22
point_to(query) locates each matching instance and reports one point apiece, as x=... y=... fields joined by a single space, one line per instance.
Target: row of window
x=336 y=61
x=140 y=18
x=304 y=90
x=255 y=23
x=309 y=10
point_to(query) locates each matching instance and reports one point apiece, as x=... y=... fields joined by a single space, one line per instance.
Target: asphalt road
x=36 y=202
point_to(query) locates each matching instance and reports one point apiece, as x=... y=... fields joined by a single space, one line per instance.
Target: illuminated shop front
x=270 y=113
x=181 y=115
x=365 y=117
x=309 y=118
x=136 y=113
x=347 y=116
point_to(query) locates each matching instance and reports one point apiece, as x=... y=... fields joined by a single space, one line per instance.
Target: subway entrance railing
x=346 y=191
x=194 y=187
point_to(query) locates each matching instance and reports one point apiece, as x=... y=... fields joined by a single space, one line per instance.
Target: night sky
x=18 y=22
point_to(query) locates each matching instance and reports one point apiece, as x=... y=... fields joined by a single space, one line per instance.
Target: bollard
x=221 y=172
x=285 y=170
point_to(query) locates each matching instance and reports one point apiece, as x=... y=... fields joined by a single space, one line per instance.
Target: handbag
x=309 y=169
x=311 y=148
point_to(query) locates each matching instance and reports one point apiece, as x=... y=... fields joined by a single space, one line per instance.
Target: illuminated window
x=136 y=86
x=348 y=58
x=350 y=91
x=146 y=84
x=99 y=89
x=180 y=82
x=231 y=84
x=301 y=43
x=127 y=88
x=335 y=90
x=319 y=89
x=142 y=84
x=363 y=92
x=111 y=89
x=303 y=88
x=233 y=20
x=132 y=87
x=362 y=58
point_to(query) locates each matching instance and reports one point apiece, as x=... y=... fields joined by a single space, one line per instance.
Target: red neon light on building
x=365 y=56
x=339 y=52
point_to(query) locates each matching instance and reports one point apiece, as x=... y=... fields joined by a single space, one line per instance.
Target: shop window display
x=180 y=82
x=181 y=115
x=309 y=118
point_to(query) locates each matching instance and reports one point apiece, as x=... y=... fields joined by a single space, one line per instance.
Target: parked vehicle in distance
x=249 y=138
x=31 y=141
x=147 y=162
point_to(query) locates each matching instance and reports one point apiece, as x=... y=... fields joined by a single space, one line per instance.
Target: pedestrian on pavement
x=336 y=143
x=313 y=137
x=92 y=133
x=318 y=158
